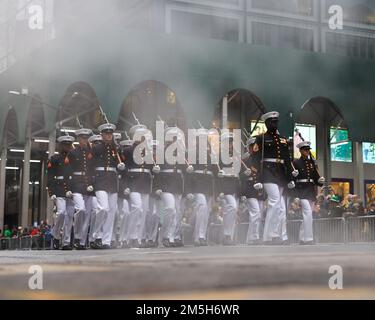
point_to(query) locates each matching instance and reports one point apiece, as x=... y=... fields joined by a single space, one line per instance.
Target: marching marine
x=106 y=161
x=305 y=189
x=58 y=189
x=79 y=163
x=271 y=153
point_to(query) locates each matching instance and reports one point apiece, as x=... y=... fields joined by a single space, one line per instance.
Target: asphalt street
x=214 y=272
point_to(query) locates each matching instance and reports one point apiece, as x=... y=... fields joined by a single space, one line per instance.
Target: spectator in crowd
x=34 y=231
x=14 y=232
x=24 y=232
x=294 y=212
x=7 y=232
x=371 y=209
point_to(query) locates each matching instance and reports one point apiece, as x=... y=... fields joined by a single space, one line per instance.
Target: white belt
x=81 y=173
x=273 y=160
x=171 y=171
x=139 y=170
x=59 y=178
x=305 y=180
x=203 y=172
x=249 y=179
x=106 y=169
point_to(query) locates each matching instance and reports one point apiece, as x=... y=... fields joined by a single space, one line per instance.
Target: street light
x=24 y=92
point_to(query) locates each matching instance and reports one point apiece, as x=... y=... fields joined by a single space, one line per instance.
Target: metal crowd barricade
x=329 y=230
x=241 y=233
x=187 y=234
x=5 y=244
x=25 y=243
x=292 y=228
x=215 y=233
x=360 y=229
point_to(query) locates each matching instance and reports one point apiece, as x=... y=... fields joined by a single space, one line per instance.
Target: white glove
x=245 y=155
x=243 y=199
x=322 y=180
x=220 y=174
x=221 y=195
x=247 y=172
x=53 y=197
x=295 y=173
x=258 y=186
x=158 y=192
x=156 y=169
x=190 y=169
x=190 y=196
x=90 y=189
x=126 y=191
x=291 y=185
x=297 y=200
x=69 y=194
x=121 y=166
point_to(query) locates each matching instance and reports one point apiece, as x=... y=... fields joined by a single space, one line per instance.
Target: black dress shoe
x=56 y=244
x=80 y=247
x=67 y=247
x=166 y=243
x=106 y=246
x=97 y=244
x=76 y=243
x=178 y=243
x=203 y=242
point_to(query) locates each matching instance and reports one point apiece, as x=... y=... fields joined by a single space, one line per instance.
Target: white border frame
x=293 y=24
x=213 y=3
x=208 y=12
x=273 y=13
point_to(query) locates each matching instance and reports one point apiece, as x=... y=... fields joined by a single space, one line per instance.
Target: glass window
x=341 y=188
x=370 y=191
x=298 y=7
x=282 y=36
x=350 y=45
x=304 y=132
x=259 y=129
x=341 y=147
x=368 y=152
x=358 y=11
x=204 y=25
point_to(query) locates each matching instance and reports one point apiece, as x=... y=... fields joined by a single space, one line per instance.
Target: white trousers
x=124 y=220
x=202 y=211
x=229 y=206
x=170 y=209
x=105 y=218
x=82 y=214
x=253 y=207
x=152 y=219
x=94 y=211
x=139 y=206
x=276 y=213
x=306 y=229
x=63 y=220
